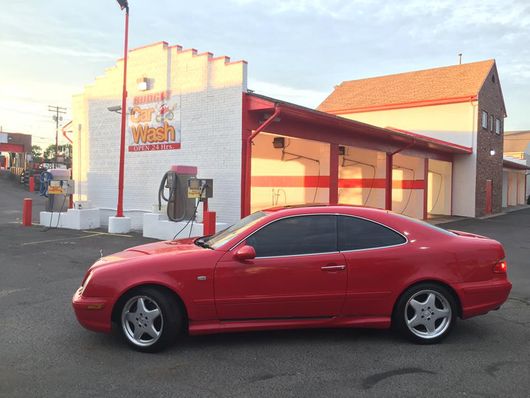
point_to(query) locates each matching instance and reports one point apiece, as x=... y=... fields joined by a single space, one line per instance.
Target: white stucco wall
x=210 y=94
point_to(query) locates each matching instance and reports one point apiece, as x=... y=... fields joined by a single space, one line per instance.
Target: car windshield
x=221 y=237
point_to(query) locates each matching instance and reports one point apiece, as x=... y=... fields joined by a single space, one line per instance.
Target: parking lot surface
x=45 y=353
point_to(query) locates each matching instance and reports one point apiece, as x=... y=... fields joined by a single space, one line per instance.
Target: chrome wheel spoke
x=151 y=331
x=153 y=314
x=415 y=321
x=131 y=317
x=440 y=313
x=138 y=332
x=140 y=306
x=429 y=325
x=431 y=301
x=416 y=305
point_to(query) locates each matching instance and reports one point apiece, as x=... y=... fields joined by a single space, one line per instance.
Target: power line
x=58 y=111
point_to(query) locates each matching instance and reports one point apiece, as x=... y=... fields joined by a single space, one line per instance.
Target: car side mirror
x=245 y=253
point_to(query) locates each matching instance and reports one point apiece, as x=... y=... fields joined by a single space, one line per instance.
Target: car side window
x=295 y=236
x=357 y=233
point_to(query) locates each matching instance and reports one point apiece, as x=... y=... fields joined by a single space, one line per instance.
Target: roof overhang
x=508 y=164
x=301 y=122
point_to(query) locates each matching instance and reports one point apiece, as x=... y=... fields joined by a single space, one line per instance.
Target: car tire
x=149 y=319
x=426 y=313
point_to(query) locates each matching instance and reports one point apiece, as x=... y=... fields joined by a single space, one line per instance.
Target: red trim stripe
x=323 y=182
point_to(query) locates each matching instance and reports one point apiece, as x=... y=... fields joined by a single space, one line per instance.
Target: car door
x=377 y=259
x=297 y=273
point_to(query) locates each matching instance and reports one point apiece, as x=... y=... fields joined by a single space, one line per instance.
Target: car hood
x=176 y=246
x=181 y=245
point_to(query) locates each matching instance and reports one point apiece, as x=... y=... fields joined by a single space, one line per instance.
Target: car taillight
x=500 y=267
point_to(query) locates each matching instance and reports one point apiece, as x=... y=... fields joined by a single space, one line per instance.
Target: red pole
x=31 y=183
x=334 y=174
x=426 y=188
x=119 y=207
x=26 y=212
x=388 y=182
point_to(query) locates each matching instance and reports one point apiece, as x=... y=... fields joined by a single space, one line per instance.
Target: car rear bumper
x=478 y=298
x=94 y=313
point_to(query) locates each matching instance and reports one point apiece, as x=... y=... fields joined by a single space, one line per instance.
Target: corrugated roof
x=457 y=82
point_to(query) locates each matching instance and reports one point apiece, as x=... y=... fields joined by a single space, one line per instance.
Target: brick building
x=462 y=104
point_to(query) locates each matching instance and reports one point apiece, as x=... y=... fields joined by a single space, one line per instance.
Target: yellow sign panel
x=194 y=193
x=55 y=190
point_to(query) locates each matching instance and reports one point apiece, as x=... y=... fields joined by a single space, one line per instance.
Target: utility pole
x=58 y=111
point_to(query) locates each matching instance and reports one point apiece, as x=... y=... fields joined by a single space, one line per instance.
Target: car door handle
x=333 y=268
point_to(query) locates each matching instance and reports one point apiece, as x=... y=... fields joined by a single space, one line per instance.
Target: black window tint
x=356 y=233
x=296 y=235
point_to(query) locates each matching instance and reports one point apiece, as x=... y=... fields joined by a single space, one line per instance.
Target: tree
x=65 y=151
x=36 y=153
x=49 y=153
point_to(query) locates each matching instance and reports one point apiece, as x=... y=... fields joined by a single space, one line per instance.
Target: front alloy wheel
x=425 y=313
x=150 y=319
x=142 y=321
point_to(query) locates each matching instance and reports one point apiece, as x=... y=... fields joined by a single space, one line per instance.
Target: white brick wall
x=211 y=117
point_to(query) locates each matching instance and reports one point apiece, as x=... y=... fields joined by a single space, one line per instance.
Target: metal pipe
x=248 y=165
x=119 y=207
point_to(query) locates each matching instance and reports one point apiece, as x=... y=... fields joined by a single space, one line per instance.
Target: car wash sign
x=154 y=123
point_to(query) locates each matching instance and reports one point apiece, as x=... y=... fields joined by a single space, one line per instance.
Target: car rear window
x=357 y=233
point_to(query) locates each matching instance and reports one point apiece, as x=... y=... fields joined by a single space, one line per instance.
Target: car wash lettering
x=154 y=123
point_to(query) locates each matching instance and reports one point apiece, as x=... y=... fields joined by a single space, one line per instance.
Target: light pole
x=124 y=5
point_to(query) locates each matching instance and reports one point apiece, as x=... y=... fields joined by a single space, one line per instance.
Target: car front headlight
x=85 y=283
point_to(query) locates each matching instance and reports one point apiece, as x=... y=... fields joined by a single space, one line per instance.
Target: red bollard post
x=208 y=221
x=32 y=183
x=26 y=212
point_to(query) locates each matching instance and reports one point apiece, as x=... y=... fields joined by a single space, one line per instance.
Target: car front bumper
x=94 y=313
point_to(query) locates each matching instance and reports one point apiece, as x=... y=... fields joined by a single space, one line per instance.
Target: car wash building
x=425 y=156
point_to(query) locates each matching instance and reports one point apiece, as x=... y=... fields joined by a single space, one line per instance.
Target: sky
x=297 y=50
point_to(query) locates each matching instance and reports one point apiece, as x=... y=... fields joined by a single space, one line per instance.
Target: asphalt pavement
x=44 y=352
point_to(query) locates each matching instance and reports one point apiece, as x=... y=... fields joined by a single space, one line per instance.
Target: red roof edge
x=431 y=139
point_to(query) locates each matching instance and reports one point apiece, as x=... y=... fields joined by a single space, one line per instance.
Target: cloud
x=56 y=50
x=305 y=97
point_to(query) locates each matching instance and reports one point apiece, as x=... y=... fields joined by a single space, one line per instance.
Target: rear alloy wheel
x=150 y=320
x=425 y=313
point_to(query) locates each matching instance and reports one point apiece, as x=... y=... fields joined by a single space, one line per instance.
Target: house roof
x=450 y=84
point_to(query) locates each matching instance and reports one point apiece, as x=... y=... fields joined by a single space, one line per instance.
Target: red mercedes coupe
x=297 y=267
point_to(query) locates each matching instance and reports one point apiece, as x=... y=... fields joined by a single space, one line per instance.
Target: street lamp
x=124 y=5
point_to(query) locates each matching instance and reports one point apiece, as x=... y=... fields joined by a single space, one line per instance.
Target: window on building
x=356 y=233
x=492 y=122
x=498 y=126
x=484 y=120
x=296 y=236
